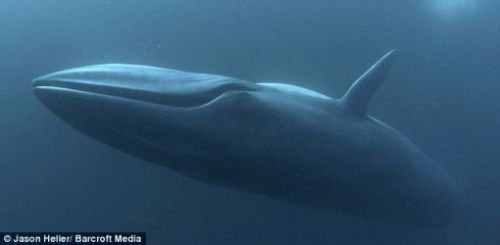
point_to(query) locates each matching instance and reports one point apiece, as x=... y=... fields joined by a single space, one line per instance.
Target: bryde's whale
x=275 y=139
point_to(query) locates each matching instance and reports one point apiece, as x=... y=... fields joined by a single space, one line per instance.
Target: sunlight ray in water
x=452 y=9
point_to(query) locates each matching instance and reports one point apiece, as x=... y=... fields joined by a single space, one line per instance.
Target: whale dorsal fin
x=356 y=99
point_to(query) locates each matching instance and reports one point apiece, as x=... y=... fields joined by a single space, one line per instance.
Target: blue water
x=442 y=94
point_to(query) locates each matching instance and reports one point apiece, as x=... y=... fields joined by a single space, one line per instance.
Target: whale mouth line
x=178 y=100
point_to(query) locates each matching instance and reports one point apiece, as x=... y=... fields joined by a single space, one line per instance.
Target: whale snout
x=141 y=83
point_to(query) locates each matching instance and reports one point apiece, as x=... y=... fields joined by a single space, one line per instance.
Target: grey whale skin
x=279 y=140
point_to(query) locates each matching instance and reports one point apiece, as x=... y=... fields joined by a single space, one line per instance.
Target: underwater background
x=443 y=94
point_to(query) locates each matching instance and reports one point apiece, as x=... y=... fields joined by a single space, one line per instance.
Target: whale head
x=274 y=139
x=166 y=116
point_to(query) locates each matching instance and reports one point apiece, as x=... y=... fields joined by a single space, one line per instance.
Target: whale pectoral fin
x=356 y=99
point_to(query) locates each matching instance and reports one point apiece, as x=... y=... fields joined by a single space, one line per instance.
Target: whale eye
x=235 y=92
x=229 y=89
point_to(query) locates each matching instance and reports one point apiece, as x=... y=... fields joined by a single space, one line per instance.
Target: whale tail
x=356 y=99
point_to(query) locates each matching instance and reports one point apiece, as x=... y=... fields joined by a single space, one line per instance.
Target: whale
x=272 y=139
